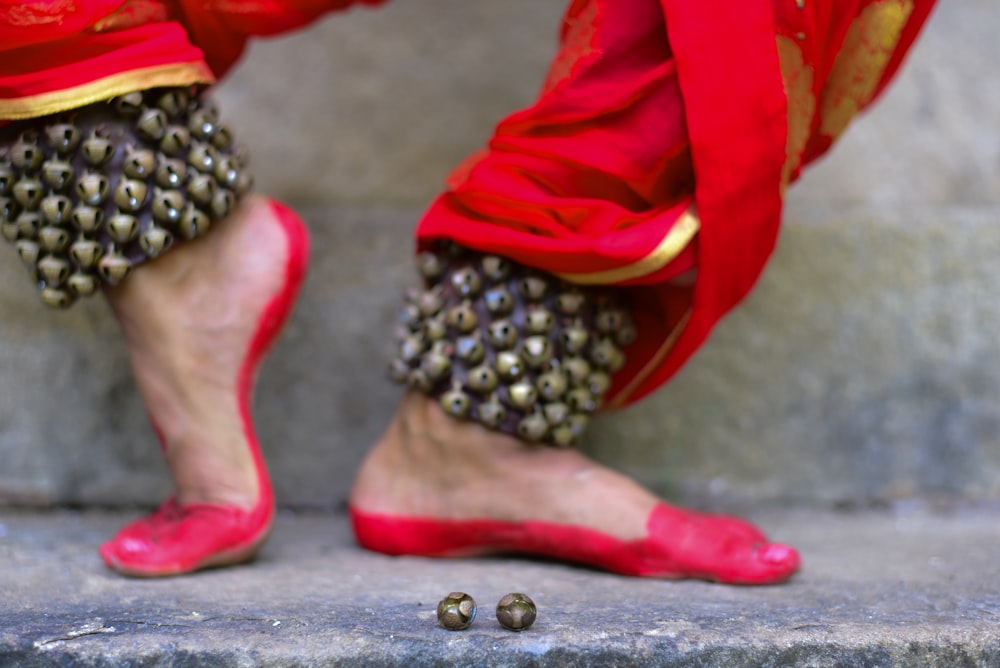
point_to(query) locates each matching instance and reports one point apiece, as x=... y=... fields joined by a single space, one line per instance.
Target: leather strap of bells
x=87 y=195
x=516 y=350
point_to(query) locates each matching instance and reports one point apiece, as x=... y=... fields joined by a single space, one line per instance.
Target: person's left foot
x=434 y=486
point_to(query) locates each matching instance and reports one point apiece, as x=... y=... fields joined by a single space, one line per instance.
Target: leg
x=434 y=485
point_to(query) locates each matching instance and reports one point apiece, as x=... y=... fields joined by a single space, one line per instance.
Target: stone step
x=902 y=589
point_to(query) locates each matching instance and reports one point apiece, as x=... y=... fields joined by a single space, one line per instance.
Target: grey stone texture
x=862 y=370
x=893 y=590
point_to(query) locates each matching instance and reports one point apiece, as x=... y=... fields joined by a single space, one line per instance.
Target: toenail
x=456 y=611
x=516 y=612
x=776 y=554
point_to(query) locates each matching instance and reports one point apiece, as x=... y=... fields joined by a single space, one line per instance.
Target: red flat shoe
x=177 y=538
x=680 y=544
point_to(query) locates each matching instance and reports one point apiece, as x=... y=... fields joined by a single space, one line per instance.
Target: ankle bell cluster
x=517 y=350
x=87 y=195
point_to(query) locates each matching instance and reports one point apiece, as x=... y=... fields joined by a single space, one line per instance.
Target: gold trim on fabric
x=43 y=104
x=798 y=78
x=622 y=397
x=680 y=234
x=869 y=44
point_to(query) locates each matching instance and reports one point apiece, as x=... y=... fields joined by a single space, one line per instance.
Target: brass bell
x=7 y=178
x=85 y=253
x=223 y=137
x=29 y=252
x=562 y=436
x=54 y=270
x=502 y=334
x=9 y=231
x=29 y=192
x=455 y=403
x=57 y=209
x=470 y=349
x=419 y=379
x=122 y=228
x=176 y=139
x=570 y=303
x=537 y=351
x=498 y=300
x=139 y=163
x=194 y=222
x=63 y=137
x=409 y=316
x=555 y=412
x=533 y=428
x=581 y=401
x=609 y=320
x=430 y=265
x=574 y=339
x=26 y=156
x=435 y=365
x=539 y=321
x=154 y=241
x=92 y=188
x=412 y=347
x=130 y=195
x=202 y=157
x=96 y=150
x=516 y=611
x=8 y=209
x=577 y=425
x=167 y=206
x=57 y=174
x=202 y=122
x=462 y=317
x=495 y=267
x=491 y=412
x=174 y=102
x=114 y=267
x=201 y=188
x=56 y=298
x=223 y=202
x=28 y=223
x=551 y=385
x=430 y=302
x=533 y=288
x=87 y=219
x=627 y=335
x=435 y=328
x=522 y=395
x=244 y=182
x=128 y=105
x=152 y=124
x=606 y=355
x=598 y=383
x=171 y=173
x=509 y=365
x=53 y=239
x=399 y=371
x=456 y=611
x=82 y=285
x=227 y=172
x=466 y=282
x=482 y=379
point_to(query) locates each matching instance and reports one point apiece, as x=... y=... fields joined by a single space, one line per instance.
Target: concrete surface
x=862 y=371
x=909 y=588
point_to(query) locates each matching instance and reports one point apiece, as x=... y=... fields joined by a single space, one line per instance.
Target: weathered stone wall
x=863 y=369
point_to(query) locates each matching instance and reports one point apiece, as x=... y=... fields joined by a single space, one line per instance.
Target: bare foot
x=196 y=322
x=435 y=486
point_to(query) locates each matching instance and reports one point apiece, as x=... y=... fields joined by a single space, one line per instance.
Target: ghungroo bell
x=85 y=196
x=514 y=349
x=516 y=611
x=456 y=611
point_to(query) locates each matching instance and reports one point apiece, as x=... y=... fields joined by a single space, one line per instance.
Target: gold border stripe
x=650 y=366
x=43 y=104
x=679 y=235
